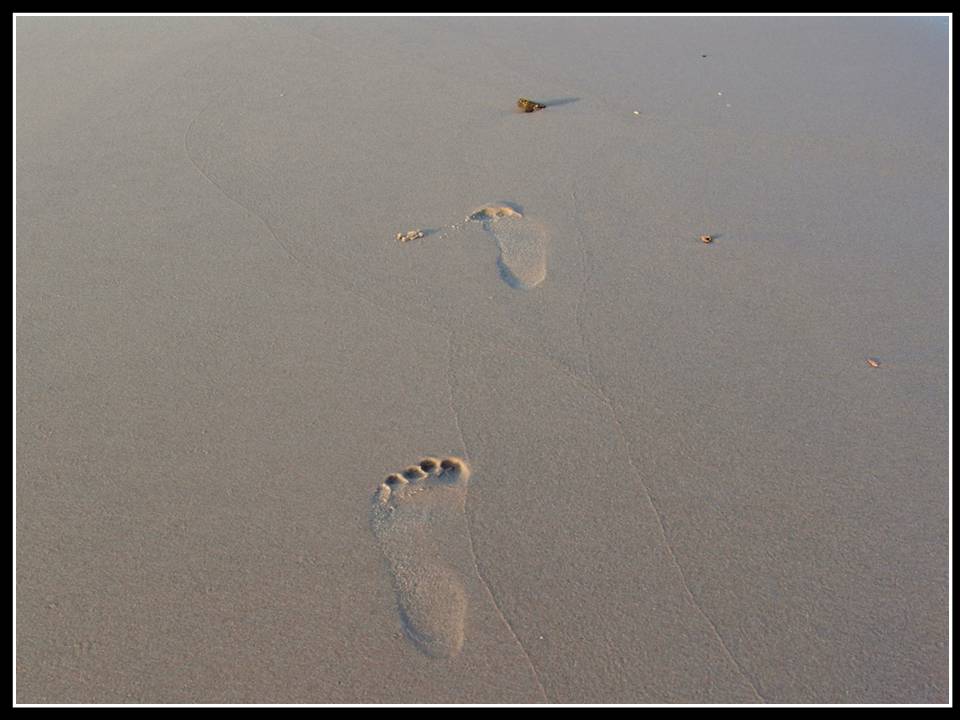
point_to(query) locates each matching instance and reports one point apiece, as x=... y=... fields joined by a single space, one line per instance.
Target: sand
x=686 y=484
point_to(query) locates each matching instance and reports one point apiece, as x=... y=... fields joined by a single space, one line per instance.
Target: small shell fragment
x=410 y=235
x=873 y=362
x=529 y=105
x=706 y=238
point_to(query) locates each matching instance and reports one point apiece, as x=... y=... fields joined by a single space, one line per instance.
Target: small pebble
x=706 y=238
x=873 y=363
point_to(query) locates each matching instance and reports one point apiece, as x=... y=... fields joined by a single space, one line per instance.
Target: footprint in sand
x=522 y=243
x=418 y=519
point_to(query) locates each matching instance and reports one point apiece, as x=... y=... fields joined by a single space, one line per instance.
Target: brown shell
x=529 y=105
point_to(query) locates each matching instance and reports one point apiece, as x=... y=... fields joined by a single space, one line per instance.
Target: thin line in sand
x=473 y=552
x=673 y=556
x=213 y=182
x=656 y=511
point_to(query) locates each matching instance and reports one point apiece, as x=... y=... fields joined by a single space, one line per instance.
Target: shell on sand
x=529 y=105
x=409 y=235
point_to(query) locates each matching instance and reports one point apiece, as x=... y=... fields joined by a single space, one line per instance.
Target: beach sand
x=681 y=479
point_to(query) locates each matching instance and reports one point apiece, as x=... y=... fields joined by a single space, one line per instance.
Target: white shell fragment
x=409 y=235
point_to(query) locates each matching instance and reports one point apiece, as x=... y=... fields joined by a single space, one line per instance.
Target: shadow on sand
x=559 y=101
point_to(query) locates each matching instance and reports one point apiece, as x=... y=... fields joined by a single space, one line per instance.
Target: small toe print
x=428 y=464
x=414 y=473
x=450 y=465
x=393 y=480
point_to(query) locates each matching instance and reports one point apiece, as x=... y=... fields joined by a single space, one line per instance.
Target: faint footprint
x=522 y=243
x=418 y=519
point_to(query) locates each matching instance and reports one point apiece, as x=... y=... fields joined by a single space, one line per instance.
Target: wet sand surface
x=686 y=483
